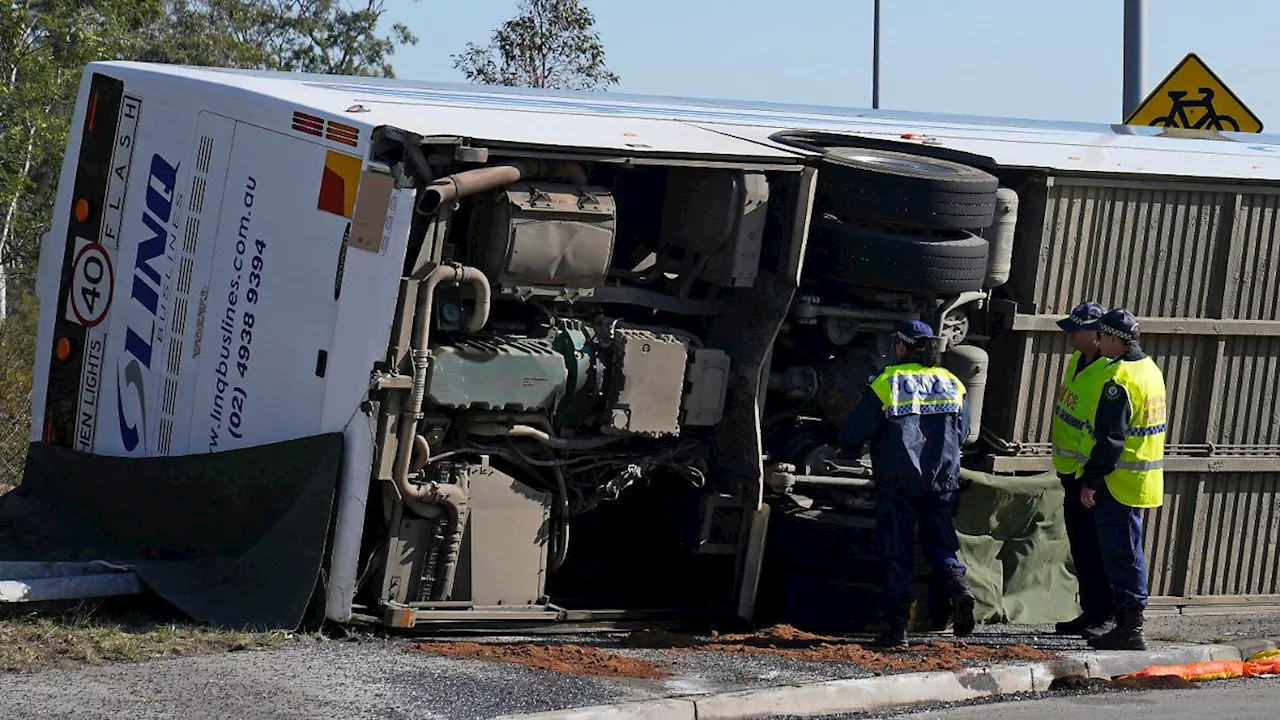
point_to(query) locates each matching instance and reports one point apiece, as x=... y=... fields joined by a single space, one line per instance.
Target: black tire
x=880 y=186
x=942 y=264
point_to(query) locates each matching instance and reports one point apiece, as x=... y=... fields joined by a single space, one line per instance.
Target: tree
x=323 y=36
x=548 y=44
x=320 y=36
x=43 y=45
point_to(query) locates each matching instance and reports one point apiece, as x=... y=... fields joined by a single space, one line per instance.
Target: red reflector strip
x=344 y=134
x=337 y=127
x=309 y=124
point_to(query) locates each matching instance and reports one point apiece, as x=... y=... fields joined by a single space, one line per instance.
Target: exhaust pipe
x=467 y=183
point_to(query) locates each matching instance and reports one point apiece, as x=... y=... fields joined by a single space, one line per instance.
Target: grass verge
x=93 y=633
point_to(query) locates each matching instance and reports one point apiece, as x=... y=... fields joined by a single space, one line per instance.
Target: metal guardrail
x=44 y=581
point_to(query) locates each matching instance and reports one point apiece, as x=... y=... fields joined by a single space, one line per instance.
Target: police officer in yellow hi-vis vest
x=1124 y=472
x=915 y=414
x=1073 y=412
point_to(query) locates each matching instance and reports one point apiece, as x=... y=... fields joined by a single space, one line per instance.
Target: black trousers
x=1082 y=534
x=897 y=517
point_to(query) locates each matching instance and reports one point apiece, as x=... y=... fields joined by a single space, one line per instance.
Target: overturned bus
x=315 y=347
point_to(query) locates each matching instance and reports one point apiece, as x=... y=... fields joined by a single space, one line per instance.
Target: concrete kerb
x=1249 y=648
x=891 y=691
x=1110 y=663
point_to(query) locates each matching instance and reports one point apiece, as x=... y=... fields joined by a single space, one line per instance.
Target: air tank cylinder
x=1000 y=238
x=969 y=363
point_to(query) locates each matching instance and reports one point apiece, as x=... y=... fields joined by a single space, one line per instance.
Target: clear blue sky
x=1019 y=58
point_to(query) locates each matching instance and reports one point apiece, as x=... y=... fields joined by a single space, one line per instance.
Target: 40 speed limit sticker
x=92 y=284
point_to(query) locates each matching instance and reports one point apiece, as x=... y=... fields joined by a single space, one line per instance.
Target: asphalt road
x=369 y=679
x=1250 y=698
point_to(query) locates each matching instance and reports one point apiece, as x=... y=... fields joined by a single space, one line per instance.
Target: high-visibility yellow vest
x=913 y=389
x=1138 y=480
x=1073 y=412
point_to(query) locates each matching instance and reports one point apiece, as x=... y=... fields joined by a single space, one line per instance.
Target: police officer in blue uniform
x=1124 y=471
x=915 y=415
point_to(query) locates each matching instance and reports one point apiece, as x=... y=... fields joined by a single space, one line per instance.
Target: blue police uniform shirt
x=910 y=454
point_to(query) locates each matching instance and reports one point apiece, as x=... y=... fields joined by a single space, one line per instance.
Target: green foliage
x=322 y=36
x=43 y=45
x=317 y=36
x=17 y=358
x=548 y=44
x=85 y=635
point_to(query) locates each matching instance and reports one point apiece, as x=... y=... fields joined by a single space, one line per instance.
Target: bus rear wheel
x=905 y=190
x=939 y=263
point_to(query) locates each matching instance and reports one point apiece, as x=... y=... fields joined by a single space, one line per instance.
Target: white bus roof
x=641 y=125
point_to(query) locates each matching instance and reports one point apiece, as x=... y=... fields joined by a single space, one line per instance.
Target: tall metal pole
x=1134 y=53
x=875 y=60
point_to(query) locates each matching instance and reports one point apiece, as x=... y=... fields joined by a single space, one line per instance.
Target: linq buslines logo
x=140 y=336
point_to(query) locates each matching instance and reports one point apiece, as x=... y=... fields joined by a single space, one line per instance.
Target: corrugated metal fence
x=1200 y=265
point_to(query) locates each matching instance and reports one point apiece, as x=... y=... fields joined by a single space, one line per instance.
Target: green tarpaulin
x=1014 y=542
x=822 y=566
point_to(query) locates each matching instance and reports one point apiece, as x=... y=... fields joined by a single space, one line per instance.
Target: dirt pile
x=789 y=642
x=1081 y=684
x=1157 y=682
x=781 y=641
x=570 y=659
x=1077 y=684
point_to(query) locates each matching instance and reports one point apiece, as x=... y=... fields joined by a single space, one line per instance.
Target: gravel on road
x=373 y=676
x=368 y=676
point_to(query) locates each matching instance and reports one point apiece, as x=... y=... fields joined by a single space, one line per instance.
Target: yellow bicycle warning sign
x=1192 y=97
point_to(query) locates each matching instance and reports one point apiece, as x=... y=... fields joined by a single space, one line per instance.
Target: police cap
x=1119 y=323
x=1085 y=316
x=913 y=332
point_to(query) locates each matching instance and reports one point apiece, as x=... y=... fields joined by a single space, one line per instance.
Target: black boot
x=1098 y=628
x=1126 y=635
x=1072 y=627
x=962 y=601
x=894 y=634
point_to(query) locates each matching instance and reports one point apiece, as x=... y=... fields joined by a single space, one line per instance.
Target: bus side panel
x=269 y=309
x=138 y=341
x=195 y=240
x=370 y=288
